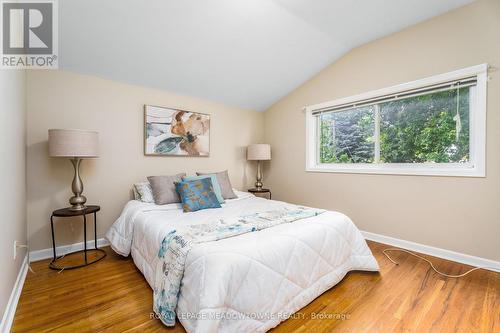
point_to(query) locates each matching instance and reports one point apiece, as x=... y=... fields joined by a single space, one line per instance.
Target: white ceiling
x=245 y=53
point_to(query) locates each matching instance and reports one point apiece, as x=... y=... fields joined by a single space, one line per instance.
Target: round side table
x=259 y=191
x=67 y=212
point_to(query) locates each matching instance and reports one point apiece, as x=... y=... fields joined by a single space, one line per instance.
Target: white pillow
x=145 y=192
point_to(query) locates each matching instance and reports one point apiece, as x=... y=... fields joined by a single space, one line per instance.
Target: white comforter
x=251 y=282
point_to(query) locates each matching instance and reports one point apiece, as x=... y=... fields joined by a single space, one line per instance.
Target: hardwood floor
x=112 y=296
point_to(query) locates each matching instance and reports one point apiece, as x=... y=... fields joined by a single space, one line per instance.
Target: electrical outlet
x=16 y=246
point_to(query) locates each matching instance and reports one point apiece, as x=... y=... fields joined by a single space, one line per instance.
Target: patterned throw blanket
x=176 y=245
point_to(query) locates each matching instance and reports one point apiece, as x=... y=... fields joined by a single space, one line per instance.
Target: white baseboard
x=434 y=251
x=60 y=250
x=10 y=309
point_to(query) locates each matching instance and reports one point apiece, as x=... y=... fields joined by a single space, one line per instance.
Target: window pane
x=347 y=136
x=426 y=128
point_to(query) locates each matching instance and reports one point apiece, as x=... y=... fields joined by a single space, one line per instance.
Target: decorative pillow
x=145 y=192
x=197 y=194
x=224 y=182
x=164 y=188
x=215 y=184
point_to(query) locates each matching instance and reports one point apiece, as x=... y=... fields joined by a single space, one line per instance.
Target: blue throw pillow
x=197 y=194
x=215 y=184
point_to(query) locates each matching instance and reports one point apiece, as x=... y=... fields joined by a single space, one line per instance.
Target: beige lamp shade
x=73 y=143
x=259 y=152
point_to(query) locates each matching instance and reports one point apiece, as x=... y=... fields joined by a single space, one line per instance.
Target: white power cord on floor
x=432 y=265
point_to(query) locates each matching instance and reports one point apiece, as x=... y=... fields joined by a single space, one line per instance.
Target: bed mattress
x=251 y=282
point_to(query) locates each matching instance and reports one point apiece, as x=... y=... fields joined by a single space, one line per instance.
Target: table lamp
x=259 y=152
x=76 y=145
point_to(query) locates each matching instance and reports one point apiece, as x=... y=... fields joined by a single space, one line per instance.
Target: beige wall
x=460 y=214
x=58 y=99
x=12 y=177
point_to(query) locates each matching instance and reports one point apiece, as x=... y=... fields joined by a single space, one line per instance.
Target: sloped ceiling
x=244 y=53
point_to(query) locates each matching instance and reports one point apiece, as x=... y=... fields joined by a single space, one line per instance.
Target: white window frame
x=476 y=167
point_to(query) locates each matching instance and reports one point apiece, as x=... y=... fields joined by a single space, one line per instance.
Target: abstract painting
x=174 y=132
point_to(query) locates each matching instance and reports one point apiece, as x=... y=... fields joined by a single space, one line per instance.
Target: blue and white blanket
x=177 y=243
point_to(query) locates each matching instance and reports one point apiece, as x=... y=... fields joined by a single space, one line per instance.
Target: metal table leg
x=85 y=236
x=53 y=238
x=95 y=230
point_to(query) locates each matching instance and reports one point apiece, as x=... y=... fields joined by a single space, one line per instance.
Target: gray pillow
x=224 y=182
x=164 y=188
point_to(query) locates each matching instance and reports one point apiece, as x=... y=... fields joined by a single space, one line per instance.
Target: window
x=434 y=126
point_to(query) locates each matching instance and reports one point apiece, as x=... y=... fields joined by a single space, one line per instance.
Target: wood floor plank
x=113 y=296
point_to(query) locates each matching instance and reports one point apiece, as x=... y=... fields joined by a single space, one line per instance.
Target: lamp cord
x=432 y=265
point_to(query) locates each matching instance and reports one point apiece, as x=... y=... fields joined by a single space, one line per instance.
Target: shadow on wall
x=247 y=168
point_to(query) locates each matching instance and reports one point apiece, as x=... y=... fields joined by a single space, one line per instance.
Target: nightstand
x=263 y=192
x=67 y=212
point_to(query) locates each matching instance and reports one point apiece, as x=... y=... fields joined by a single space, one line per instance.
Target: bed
x=250 y=282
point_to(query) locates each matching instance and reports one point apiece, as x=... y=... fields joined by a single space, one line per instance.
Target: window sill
x=402 y=169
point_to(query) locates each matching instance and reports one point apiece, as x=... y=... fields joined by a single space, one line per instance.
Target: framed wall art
x=172 y=132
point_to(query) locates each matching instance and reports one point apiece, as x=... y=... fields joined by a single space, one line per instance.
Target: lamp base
x=258 y=183
x=77 y=201
x=77 y=207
